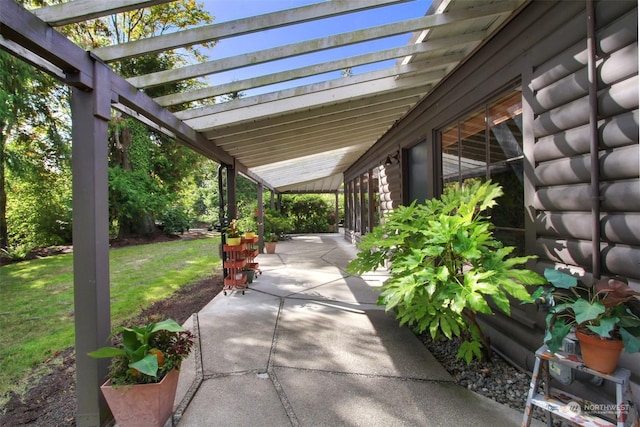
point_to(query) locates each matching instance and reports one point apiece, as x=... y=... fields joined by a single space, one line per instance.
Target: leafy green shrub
x=39 y=211
x=308 y=213
x=175 y=220
x=17 y=252
x=446 y=266
x=276 y=223
x=248 y=223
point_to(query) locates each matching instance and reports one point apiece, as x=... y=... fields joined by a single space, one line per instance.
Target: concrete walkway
x=307 y=346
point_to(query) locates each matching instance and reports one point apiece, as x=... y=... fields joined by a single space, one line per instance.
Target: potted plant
x=331 y=222
x=270 y=243
x=143 y=374
x=446 y=267
x=606 y=314
x=248 y=224
x=233 y=233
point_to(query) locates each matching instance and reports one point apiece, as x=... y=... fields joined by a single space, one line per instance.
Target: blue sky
x=227 y=10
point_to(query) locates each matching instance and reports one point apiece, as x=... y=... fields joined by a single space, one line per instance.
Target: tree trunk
x=143 y=225
x=136 y=227
x=4 y=229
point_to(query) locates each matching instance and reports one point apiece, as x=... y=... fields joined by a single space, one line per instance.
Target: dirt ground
x=51 y=401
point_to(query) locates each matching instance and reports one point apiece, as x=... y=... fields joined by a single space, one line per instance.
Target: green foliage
x=34 y=135
x=175 y=220
x=308 y=212
x=39 y=209
x=140 y=147
x=146 y=178
x=608 y=309
x=276 y=223
x=133 y=194
x=146 y=353
x=445 y=265
x=17 y=252
x=248 y=223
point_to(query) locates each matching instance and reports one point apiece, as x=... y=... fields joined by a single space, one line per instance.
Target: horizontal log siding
x=543 y=45
x=562 y=161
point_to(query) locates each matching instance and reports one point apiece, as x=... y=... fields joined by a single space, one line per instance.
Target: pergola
x=299 y=139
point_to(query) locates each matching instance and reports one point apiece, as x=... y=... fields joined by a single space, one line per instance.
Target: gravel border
x=496 y=379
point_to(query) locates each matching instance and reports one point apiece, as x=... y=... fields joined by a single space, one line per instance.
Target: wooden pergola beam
x=215 y=32
x=319 y=44
x=83 y=10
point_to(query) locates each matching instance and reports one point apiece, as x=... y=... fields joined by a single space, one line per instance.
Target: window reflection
x=488 y=144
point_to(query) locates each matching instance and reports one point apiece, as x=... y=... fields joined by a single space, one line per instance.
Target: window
x=487 y=144
x=375 y=193
x=417 y=176
x=364 y=199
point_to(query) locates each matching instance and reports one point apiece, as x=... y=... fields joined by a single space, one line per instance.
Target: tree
x=146 y=170
x=33 y=132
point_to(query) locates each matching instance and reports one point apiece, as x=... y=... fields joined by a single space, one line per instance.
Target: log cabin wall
x=543 y=53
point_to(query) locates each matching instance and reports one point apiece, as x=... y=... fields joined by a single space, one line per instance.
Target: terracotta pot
x=599 y=354
x=270 y=247
x=234 y=241
x=142 y=405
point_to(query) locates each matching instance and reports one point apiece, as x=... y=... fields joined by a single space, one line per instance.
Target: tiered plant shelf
x=234 y=262
x=250 y=254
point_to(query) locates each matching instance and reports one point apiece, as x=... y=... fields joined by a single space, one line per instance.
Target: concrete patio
x=307 y=345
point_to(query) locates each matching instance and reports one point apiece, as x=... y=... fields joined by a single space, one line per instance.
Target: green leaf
x=477 y=303
x=560 y=279
x=631 y=342
x=442 y=273
x=452 y=324
x=554 y=336
x=515 y=289
x=535 y=295
x=605 y=327
x=502 y=302
x=526 y=277
x=585 y=311
x=468 y=350
x=148 y=365
x=131 y=340
x=105 y=352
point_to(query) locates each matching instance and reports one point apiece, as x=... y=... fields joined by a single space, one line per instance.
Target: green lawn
x=36 y=297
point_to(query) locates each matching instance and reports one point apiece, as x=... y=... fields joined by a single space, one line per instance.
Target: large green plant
x=446 y=266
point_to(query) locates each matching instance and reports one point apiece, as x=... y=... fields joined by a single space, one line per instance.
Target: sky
x=227 y=10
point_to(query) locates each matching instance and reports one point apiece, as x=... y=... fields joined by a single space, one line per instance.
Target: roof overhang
x=299 y=139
